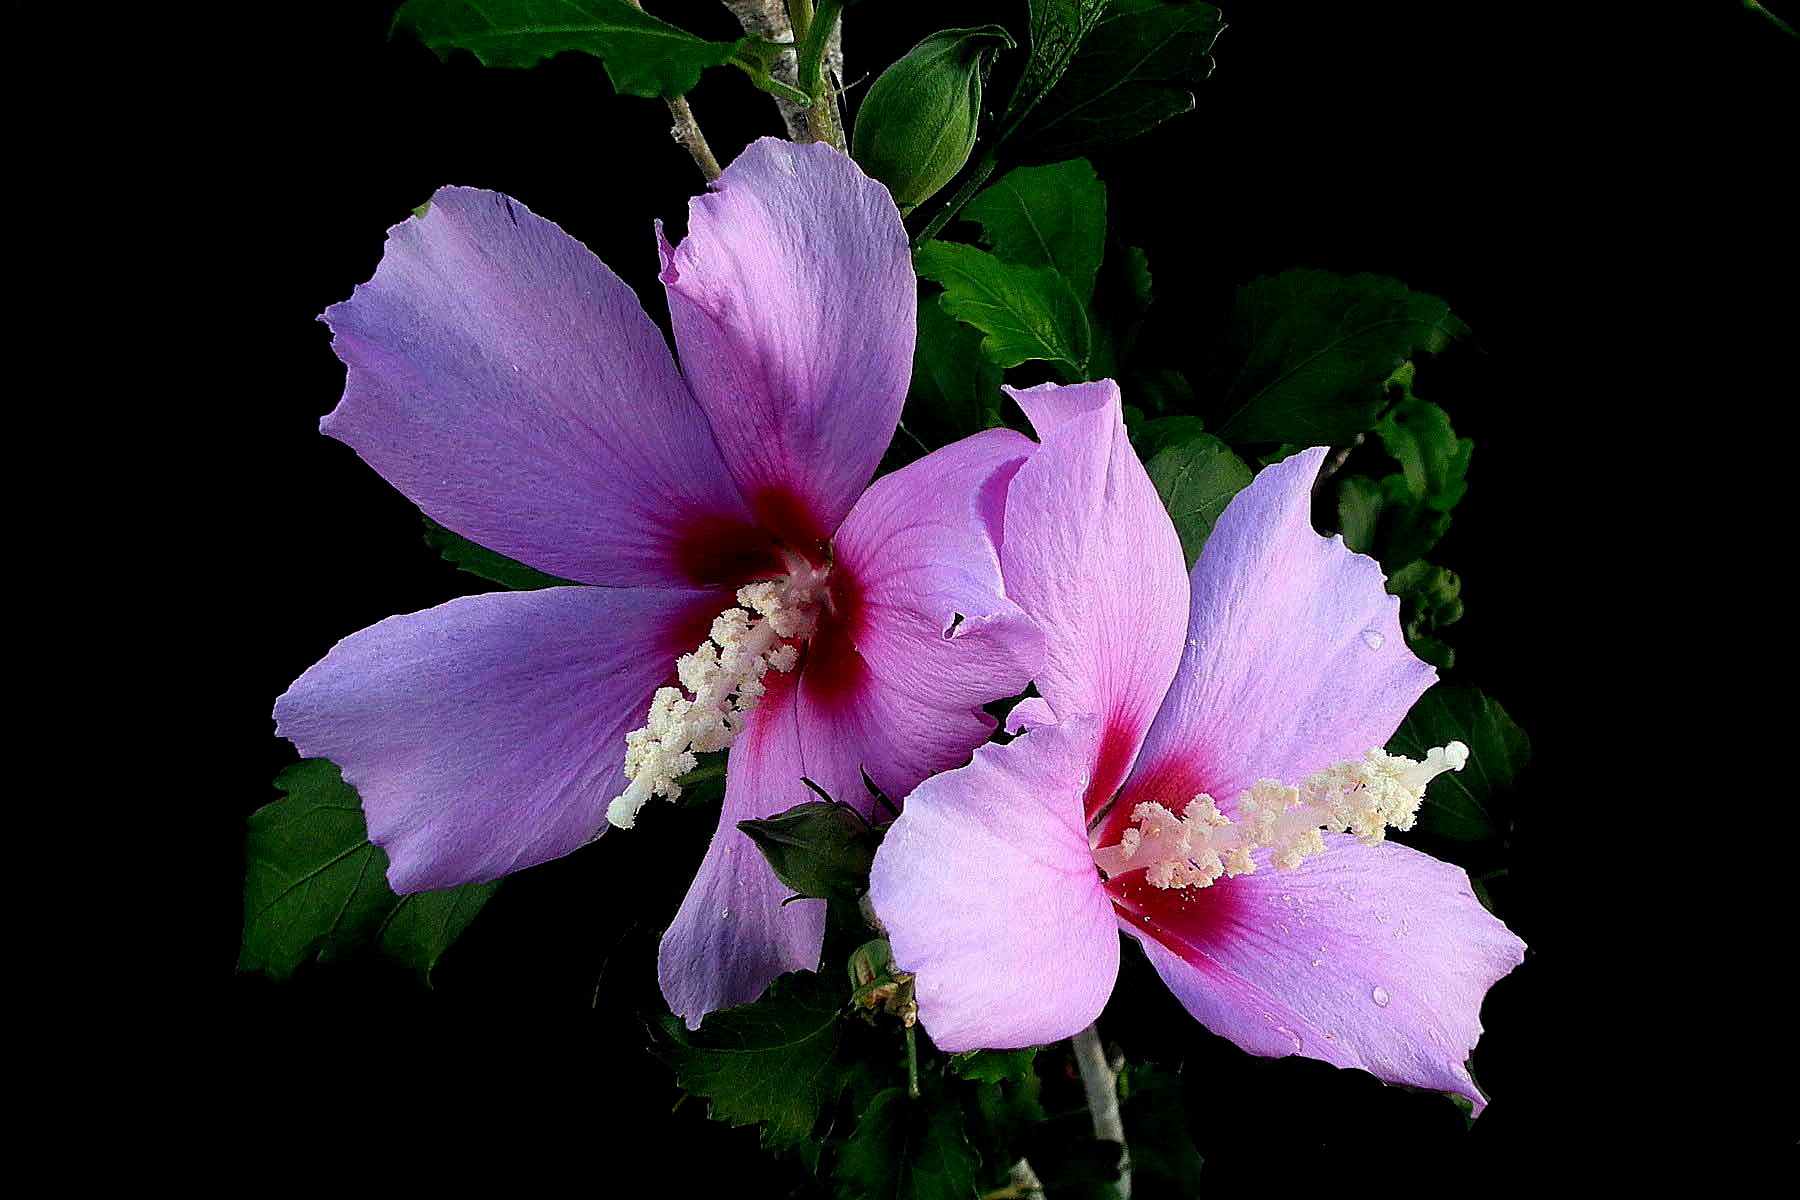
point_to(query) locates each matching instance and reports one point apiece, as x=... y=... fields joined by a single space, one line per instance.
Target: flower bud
x=918 y=123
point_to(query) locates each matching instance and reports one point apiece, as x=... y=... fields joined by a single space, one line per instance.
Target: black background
x=1543 y=175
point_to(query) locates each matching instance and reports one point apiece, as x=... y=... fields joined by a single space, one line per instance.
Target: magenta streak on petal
x=1368 y=956
x=891 y=684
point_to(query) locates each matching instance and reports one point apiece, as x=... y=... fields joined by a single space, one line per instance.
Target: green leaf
x=1196 y=479
x=705 y=784
x=1150 y=436
x=821 y=849
x=1309 y=352
x=1027 y=313
x=1360 y=504
x=955 y=387
x=482 y=562
x=1400 y=517
x=1434 y=462
x=316 y=887
x=1051 y=216
x=1057 y=28
x=994 y=1066
x=1135 y=68
x=1430 y=598
x=907 y=1149
x=1467 y=805
x=778 y=1062
x=644 y=56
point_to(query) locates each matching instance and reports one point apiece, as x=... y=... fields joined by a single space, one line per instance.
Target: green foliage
x=1047 y=217
x=994 y=1066
x=1152 y=435
x=644 y=56
x=955 y=387
x=917 y=126
x=1028 y=313
x=1398 y=518
x=1434 y=462
x=1196 y=479
x=1058 y=27
x=1033 y=295
x=1134 y=66
x=1308 y=353
x=907 y=1149
x=821 y=849
x=484 y=563
x=316 y=887
x=1430 y=598
x=1467 y=805
x=780 y=1061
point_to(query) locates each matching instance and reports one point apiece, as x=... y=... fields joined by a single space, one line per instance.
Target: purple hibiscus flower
x=509 y=384
x=1175 y=762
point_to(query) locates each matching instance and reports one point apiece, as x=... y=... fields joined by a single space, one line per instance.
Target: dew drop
x=1372 y=639
x=1291 y=1035
x=724 y=914
x=1318 y=962
x=1380 y=997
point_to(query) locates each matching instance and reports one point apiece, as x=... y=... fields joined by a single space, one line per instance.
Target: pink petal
x=510 y=385
x=792 y=300
x=1373 y=957
x=732 y=935
x=488 y=734
x=1294 y=659
x=1091 y=555
x=924 y=634
x=988 y=890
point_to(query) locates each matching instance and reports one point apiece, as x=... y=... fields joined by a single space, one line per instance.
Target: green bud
x=918 y=123
x=821 y=849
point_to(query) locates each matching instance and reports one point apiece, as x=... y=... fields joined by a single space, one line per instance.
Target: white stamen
x=723 y=677
x=1363 y=797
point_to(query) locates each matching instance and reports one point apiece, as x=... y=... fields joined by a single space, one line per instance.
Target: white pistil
x=1364 y=797
x=723 y=678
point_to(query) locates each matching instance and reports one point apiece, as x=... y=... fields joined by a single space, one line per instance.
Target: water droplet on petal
x=1372 y=639
x=724 y=914
x=1380 y=996
x=1294 y=1037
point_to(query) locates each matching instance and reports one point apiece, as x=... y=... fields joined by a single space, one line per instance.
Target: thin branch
x=687 y=132
x=1101 y=1084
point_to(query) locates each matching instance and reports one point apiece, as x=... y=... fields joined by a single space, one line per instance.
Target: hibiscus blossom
x=748 y=589
x=1175 y=764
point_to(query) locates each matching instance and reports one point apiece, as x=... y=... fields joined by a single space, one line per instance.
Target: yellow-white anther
x=1364 y=797
x=724 y=681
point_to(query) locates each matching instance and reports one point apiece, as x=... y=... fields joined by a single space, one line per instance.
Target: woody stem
x=1102 y=1088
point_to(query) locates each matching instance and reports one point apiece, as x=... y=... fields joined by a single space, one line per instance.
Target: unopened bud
x=917 y=125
